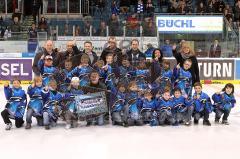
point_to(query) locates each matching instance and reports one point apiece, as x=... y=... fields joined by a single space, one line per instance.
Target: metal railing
x=66 y=7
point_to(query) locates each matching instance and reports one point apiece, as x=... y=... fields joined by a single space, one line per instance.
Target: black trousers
x=18 y=121
x=220 y=112
x=204 y=114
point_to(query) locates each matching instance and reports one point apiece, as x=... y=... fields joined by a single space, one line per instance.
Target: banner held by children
x=91 y=105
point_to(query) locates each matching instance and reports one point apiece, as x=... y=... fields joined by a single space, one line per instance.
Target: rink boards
x=211 y=70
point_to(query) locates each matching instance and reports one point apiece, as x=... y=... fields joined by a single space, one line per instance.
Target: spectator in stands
x=1 y=21
x=87 y=27
x=227 y=14
x=182 y=9
x=220 y=5
x=2 y=27
x=166 y=49
x=149 y=8
x=2 y=31
x=47 y=50
x=184 y=53
x=35 y=8
x=2 y=7
x=215 y=49
x=17 y=13
x=201 y=8
x=237 y=12
x=149 y=28
x=134 y=54
x=77 y=30
x=124 y=6
x=139 y=8
x=132 y=26
x=71 y=53
x=32 y=32
x=42 y=24
x=227 y=7
x=148 y=53
x=215 y=5
x=112 y=48
x=32 y=41
x=210 y=7
x=102 y=30
x=16 y=26
x=114 y=8
x=114 y=26
x=172 y=7
x=67 y=30
x=88 y=50
x=100 y=4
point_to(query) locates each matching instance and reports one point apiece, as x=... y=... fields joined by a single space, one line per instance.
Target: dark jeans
x=204 y=114
x=220 y=112
x=18 y=121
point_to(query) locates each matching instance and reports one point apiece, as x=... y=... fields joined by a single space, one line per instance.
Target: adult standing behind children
x=156 y=65
x=72 y=52
x=134 y=54
x=47 y=50
x=112 y=48
x=88 y=50
x=185 y=53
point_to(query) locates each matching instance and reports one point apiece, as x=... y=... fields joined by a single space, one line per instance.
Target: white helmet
x=75 y=79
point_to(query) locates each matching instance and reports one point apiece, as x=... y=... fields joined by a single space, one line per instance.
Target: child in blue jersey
x=47 y=70
x=82 y=71
x=63 y=75
x=98 y=66
x=118 y=96
x=52 y=107
x=16 y=104
x=147 y=106
x=164 y=108
x=182 y=107
x=223 y=103
x=126 y=68
x=142 y=75
x=71 y=107
x=111 y=69
x=202 y=105
x=165 y=80
x=183 y=78
x=132 y=111
x=127 y=71
x=35 y=105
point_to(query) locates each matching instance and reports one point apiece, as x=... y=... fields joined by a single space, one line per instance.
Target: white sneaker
x=8 y=126
x=68 y=126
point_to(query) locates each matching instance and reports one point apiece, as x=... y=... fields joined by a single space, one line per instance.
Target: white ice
x=113 y=142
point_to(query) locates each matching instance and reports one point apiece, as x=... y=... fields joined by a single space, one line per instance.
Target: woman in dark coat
x=184 y=53
x=156 y=64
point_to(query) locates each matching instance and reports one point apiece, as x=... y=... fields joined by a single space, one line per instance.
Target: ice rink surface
x=113 y=142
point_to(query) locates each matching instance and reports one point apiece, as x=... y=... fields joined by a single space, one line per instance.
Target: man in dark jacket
x=96 y=86
x=134 y=54
x=112 y=48
x=47 y=50
x=215 y=49
x=88 y=50
x=72 y=53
